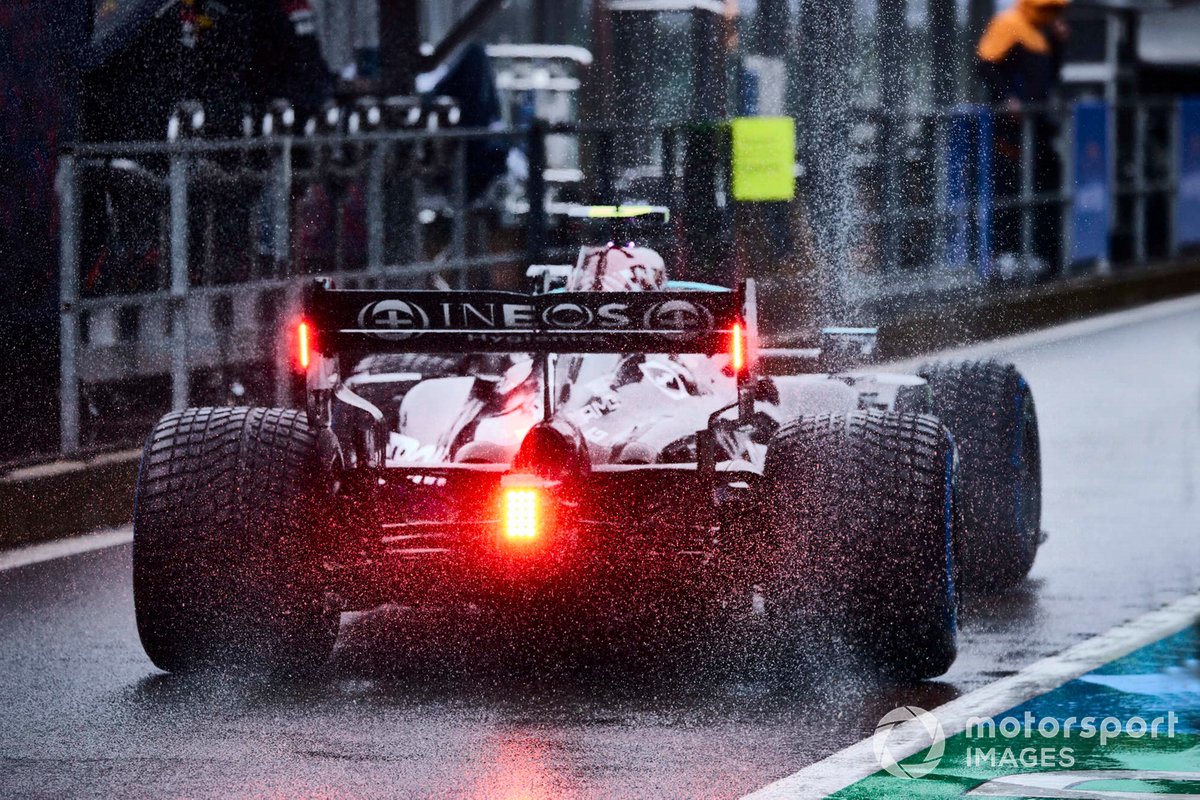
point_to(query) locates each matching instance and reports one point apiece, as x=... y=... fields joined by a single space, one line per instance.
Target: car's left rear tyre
x=859 y=511
x=228 y=543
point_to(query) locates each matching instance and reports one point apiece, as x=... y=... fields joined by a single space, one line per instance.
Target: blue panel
x=984 y=193
x=1187 y=209
x=1091 y=205
x=958 y=176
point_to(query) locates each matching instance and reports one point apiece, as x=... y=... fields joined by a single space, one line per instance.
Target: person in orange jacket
x=1020 y=52
x=1019 y=59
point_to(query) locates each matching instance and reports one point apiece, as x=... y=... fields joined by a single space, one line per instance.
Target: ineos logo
x=393 y=319
x=567 y=315
x=678 y=315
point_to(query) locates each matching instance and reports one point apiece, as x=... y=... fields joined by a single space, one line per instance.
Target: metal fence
x=186 y=257
x=972 y=195
x=182 y=261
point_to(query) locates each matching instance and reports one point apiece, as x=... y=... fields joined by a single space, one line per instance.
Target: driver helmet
x=615 y=268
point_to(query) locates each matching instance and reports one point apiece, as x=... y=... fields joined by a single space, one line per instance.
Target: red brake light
x=303 y=345
x=521 y=514
x=737 y=348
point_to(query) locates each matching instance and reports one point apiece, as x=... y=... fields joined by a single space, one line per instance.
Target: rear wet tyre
x=989 y=409
x=227 y=548
x=861 y=506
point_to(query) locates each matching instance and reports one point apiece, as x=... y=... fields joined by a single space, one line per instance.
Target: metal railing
x=978 y=188
x=177 y=256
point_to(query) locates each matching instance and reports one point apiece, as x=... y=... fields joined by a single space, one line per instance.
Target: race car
x=617 y=453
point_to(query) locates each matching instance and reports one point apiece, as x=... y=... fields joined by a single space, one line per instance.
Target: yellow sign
x=764 y=158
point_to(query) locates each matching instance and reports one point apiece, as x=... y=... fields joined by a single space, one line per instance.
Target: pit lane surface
x=83 y=713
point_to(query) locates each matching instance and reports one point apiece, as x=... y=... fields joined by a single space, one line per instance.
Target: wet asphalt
x=419 y=706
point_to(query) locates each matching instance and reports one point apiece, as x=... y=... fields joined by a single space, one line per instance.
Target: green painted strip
x=1129 y=729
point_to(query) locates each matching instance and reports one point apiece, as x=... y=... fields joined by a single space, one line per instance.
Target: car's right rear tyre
x=228 y=544
x=860 y=508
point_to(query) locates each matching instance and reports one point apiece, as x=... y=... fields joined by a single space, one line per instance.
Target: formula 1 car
x=607 y=451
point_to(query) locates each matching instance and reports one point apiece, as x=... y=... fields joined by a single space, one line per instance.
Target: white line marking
x=48 y=551
x=1069 y=330
x=56 y=468
x=858 y=760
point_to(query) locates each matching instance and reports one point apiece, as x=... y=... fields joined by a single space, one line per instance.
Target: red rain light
x=521 y=514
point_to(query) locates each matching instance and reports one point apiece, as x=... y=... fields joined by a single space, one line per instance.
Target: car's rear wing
x=560 y=322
